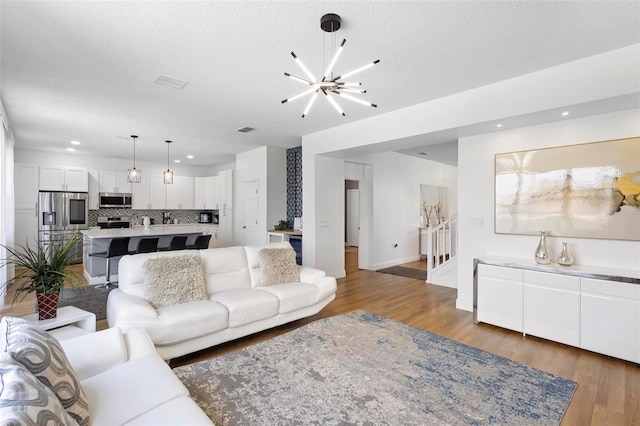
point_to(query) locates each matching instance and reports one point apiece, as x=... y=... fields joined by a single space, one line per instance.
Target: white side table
x=70 y=322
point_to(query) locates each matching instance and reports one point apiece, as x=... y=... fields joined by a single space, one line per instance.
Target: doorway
x=352 y=213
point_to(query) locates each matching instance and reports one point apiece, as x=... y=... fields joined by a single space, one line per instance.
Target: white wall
x=594 y=79
x=267 y=166
x=476 y=196
x=396 y=203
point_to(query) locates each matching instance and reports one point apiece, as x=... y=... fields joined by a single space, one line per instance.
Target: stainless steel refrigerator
x=60 y=214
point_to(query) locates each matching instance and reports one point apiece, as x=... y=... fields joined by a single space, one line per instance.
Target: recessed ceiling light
x=176 y=161
x=190 y=157
x=71 y=149
x=424 y=153
x=499 y=125
x=565 y=113
x=175 y=83
x=74 y=143
x=245 y=129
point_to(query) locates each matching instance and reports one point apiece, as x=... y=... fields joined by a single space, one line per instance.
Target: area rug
x=403 y=271
x=364 y=369
x=88 y=297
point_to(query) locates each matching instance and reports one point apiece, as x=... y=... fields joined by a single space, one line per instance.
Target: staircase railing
x=441 y=244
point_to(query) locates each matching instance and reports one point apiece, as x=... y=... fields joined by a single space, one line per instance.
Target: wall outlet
x=476 y=221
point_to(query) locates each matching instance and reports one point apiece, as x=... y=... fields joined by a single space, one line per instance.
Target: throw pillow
x=25 y=400
x=173 y=279
x=278 y=266
x=41 y=354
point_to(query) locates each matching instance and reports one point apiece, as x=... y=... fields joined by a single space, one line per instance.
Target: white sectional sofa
x=236 y=303
x=106 y=378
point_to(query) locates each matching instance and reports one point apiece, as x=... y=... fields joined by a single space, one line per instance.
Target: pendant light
x=167 y=176
x=329 y=85
x=134 y=175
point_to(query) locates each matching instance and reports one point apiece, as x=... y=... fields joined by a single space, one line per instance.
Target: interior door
x=250 y=226
x=353 y=217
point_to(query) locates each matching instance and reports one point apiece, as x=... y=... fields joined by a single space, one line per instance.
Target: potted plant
x=42 y=271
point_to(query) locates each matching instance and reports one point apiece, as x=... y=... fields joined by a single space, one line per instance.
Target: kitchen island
x=97 y=240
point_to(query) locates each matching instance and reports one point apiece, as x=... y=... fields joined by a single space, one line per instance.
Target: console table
x=597 y=309
x=69 y=322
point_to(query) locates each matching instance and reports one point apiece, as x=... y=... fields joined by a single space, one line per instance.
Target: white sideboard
x=597 y=309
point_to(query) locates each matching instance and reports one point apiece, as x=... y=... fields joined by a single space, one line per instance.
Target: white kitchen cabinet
x=180 y=193
x=157 y=192
x=94 y=189
x=226 y=189
x=552 y=306
x=225 y=228
x=500 y=293
x=114 y=182
x=25 y=178
x=205 y=193
x=61 y=178
x=26 y=227
x=140 y=194
x=215 y=200
x=610 y=318
x=199 y=193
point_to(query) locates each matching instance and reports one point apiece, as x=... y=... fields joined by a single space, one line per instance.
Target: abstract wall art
x=590 y=190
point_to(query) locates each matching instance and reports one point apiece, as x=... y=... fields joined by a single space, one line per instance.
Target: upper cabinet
x=94 y=189
x=207 y=193
x=26 y=178
x=180 y=193
x=114 y=182
x=61 y=178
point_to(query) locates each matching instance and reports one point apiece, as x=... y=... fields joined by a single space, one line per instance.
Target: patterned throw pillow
x=25 y=400
x=41 y=354
x=278 y=266
x=173 y=280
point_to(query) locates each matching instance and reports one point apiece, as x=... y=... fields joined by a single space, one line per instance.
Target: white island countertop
x=154 y=230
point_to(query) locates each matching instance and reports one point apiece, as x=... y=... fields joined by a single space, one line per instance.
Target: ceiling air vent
x=245 y=129
x=176 y=83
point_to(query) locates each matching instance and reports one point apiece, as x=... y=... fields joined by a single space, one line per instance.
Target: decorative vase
x=543 y=254
x=47 y=305
x=146 y=221
x=565 y=257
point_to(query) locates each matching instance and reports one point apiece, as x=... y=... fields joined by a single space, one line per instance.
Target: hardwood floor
x=608 y=390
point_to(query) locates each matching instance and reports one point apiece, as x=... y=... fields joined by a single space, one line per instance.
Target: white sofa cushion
x=247 y=305
x=293 y=296
x=177 y=412
x=42 y=354
x=225 y=269
x=94 y=353
x=132 y=389
x=173 y=280
x=185 y=321
x=25 y=400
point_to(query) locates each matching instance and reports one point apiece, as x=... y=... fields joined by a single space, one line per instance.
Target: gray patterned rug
x=90 y=298
x=364 y=369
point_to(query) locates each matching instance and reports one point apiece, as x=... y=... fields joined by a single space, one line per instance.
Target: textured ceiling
x=85 y=70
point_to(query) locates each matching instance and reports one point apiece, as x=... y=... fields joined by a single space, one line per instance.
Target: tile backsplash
x=135 y=216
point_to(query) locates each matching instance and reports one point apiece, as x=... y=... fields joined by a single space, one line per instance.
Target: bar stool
x=201 y=242
x=178 y=242
x=146 y=245
x=117 y=247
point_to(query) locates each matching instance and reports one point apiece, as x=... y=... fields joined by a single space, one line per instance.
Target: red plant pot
x=47 y=305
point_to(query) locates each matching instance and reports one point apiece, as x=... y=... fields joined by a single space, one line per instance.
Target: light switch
x=476 y=221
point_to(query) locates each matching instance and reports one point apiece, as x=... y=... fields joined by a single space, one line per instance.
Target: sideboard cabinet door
x=500 y=296
x=610 y=318
x=552 y=306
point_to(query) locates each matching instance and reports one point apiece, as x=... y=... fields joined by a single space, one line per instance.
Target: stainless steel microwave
x=115 y=200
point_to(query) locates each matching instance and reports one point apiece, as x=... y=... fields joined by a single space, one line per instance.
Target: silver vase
x=543 y=254
x=565 y=257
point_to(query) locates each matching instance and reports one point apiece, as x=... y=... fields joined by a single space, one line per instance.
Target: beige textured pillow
x=278 y=266
x=173 y=280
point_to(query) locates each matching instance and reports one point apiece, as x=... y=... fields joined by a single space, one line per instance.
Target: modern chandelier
x=134 y=175
x=329 y=85
x=167 y=175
